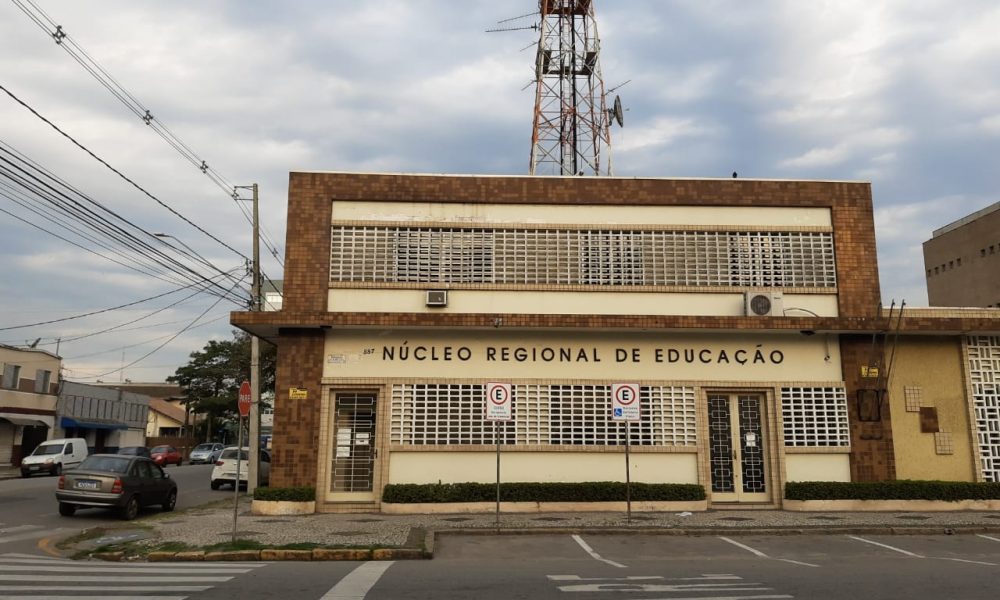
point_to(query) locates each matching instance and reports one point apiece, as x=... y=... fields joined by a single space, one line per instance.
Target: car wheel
x=25 y=473
x=57 y=471
x=66 y=510
x=216 y=485
x=180 y=462
x=171 y=501
x=131 y=509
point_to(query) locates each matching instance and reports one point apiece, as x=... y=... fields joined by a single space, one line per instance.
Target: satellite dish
x=616 y=112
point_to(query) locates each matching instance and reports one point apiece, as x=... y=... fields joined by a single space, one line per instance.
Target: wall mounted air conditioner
x=437 y=297
x=764 y=303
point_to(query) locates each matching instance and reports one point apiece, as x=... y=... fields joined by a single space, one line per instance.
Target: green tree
x=211 y=379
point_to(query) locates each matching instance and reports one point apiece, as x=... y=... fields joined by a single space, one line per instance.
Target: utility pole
x=253 y=474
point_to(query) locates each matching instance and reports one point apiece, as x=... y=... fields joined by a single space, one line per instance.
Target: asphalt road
x=29 y=511
x=646 y=567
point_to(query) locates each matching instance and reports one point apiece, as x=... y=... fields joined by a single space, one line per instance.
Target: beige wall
x=355 y=354
x=458 y=467
x=714 y=216
x=817 y=467
x=565 y=302
x=934 y=366
x=12 y=399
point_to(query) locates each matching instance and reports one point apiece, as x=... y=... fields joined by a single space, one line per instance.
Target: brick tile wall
x=296 y=427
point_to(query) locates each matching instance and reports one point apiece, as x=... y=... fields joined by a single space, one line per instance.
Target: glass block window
x=452 y=414
x=815 y=417
x=601 y=257
x=984 y=371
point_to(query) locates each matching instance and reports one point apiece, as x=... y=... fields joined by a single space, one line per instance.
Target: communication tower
x=571 y=132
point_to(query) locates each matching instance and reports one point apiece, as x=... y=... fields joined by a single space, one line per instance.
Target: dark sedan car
x=135 y=451
x=125 y=483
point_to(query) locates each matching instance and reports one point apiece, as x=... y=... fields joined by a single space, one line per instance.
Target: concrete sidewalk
x=201 y=527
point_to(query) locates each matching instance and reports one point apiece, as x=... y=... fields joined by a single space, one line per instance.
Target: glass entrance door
x=737 y=455
x=354 y=452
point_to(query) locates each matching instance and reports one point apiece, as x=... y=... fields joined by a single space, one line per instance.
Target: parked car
x=165 y=455
x=54 y=456
x=205 y=453
x=135 y=451
x=224 y=472
x=126 y=483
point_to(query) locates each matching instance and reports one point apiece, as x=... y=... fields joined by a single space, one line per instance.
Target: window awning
x=25 y=422
x=92 y=424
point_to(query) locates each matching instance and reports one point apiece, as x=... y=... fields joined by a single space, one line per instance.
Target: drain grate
x=456 y=519
x=827 y=518
x=274 y=521
x=912 y=517
x=550 y=519
x=735 y=519
x=993 y=516
x=366 y=520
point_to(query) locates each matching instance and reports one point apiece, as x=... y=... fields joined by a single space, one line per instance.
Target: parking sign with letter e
x=625 y=402
x=499 y=402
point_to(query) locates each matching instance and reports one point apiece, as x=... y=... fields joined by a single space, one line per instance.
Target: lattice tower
x=571 y=128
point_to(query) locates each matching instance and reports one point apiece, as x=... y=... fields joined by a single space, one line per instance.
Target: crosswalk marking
x=708 y=583
x=24 y=576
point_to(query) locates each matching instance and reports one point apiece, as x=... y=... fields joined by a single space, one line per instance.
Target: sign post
x=499 y=407
x=625 y=407
x=244 y=402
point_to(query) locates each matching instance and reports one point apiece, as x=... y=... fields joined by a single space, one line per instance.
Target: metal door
x=737 y=454
x=354 y=452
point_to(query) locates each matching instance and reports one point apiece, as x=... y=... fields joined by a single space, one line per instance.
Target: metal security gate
x=354 y=450
x=737 y=440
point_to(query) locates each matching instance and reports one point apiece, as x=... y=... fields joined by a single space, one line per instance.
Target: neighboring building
x=28 y=389
x=962 y=261
x=107 y=418
x=271 y=292
x=165 y=419
x=747 y=313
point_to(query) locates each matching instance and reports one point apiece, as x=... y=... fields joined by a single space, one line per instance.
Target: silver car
x=205 y=453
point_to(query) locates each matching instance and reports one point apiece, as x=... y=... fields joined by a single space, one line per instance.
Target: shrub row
x=286 y=494
x=591 y=491
x=903 y=489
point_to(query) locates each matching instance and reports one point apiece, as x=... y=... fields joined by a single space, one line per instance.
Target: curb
x=427 y=539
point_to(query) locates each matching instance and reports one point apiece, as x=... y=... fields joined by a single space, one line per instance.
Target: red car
x=165 y=455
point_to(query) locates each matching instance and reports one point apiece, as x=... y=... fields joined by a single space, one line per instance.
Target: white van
x=54 y=456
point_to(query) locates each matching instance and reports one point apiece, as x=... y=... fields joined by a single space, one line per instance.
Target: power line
x=209 y=322
x=172 y=338
x=129 y=100
x=117 y=172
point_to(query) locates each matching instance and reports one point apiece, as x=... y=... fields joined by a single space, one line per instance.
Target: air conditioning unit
x=437 y=297
x=764 y=303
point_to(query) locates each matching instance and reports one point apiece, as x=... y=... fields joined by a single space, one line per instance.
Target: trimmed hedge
x=903 y=489
x=591 y=491
x=285 y=494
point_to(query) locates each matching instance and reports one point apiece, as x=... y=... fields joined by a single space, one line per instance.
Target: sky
x=905 y=95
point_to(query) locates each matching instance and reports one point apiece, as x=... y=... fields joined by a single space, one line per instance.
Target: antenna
x=571 y=133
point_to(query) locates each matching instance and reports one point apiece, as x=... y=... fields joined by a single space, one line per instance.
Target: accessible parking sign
x=499 y=402
x=625 y=402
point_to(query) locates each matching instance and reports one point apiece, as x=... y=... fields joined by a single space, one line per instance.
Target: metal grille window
x=984 y=371
x=450 y=414
x=815 y=417
x=581 y=257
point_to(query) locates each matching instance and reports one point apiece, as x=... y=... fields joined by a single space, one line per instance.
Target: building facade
x=28 y=389
x=747 y=313
x=107 y=418
x=962 y=261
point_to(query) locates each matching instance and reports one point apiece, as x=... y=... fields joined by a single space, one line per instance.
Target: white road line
x=104 y=588
x=123 y=569
x=963 y=560
x=762 y=555
x=706 y=577
x=887 y=546
x=34 y=556
x=31 y=535
x=988 y=537
x=93 y=597
x=19 y=528
x=356 y=584
x=117 y=579
x=594 y=555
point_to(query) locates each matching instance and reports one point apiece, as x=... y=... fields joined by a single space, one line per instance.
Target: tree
x=211 y=379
